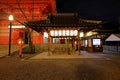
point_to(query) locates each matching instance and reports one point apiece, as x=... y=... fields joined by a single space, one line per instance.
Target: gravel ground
x=14 y=68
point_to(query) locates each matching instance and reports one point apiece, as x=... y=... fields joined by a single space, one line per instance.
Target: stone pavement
x=41 y=66
x=83 y=54
x=13 y=68
x=45 y=55
x=4 y=50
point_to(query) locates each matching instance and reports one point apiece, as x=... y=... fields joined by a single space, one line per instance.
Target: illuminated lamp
x=11 y=19
x=89 y=33
x=63 y=32
x=75 y=32
x=56 y=33
x=52 y=33
x=46 y=34
x=71 y=32
x=67 y=32
x=81 y=34
x=60 y=33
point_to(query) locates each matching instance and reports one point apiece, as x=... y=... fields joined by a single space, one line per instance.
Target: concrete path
x=46 y=55
x=4 y=49
x=15 y=68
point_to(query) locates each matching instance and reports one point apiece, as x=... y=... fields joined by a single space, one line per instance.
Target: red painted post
x=20 y=44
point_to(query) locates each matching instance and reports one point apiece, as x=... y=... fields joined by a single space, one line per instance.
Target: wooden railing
x=54 y=48
x=61 y=48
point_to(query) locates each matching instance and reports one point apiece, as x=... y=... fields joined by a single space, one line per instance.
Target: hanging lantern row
x=63 y=32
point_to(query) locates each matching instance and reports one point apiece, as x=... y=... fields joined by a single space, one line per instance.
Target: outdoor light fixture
x=52 y=32
x=56 y=33
x=46 y=34
x=60 y=33
x=89 y=33
x=11 y=19
x=81 y=34
x=67 y=33
x=71 y=32
x=75 y=32
x=63 y=32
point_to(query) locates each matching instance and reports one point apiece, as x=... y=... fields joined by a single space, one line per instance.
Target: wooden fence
x=111 y=49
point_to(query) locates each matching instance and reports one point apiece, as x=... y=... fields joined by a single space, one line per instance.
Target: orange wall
x=4 y=40
x=41 y=9
x=15 y=34
x=15 y=37
x=37 y=39
x=4 y=36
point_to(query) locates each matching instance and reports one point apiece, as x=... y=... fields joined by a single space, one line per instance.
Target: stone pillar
x=78 y=41
x=73 y=45
x=49 y=42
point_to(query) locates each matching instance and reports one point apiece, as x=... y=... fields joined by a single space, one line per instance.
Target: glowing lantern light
x=63 y=32
x=52 y=32
x=56 y=33
x=89 y=33
x=81 y=34
x=11 y=17
x=71 y=32
x=75 y=32
x=60 y=33
x=46 y=34
x=67 y=32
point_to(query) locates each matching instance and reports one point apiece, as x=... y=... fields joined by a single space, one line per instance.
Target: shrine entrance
x=61 y=36
x=62 y=41
x=62 y=31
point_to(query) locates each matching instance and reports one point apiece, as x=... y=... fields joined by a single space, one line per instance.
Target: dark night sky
x=106 y=10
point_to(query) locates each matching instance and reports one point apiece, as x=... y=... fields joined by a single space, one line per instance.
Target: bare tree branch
x=14 y=17
x=33 y=10
x=18 y=2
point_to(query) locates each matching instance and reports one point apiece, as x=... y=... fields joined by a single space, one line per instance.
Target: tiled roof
x=68 y=18
x=63 y=19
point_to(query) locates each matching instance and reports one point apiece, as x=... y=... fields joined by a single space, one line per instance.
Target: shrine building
x=39 y=20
